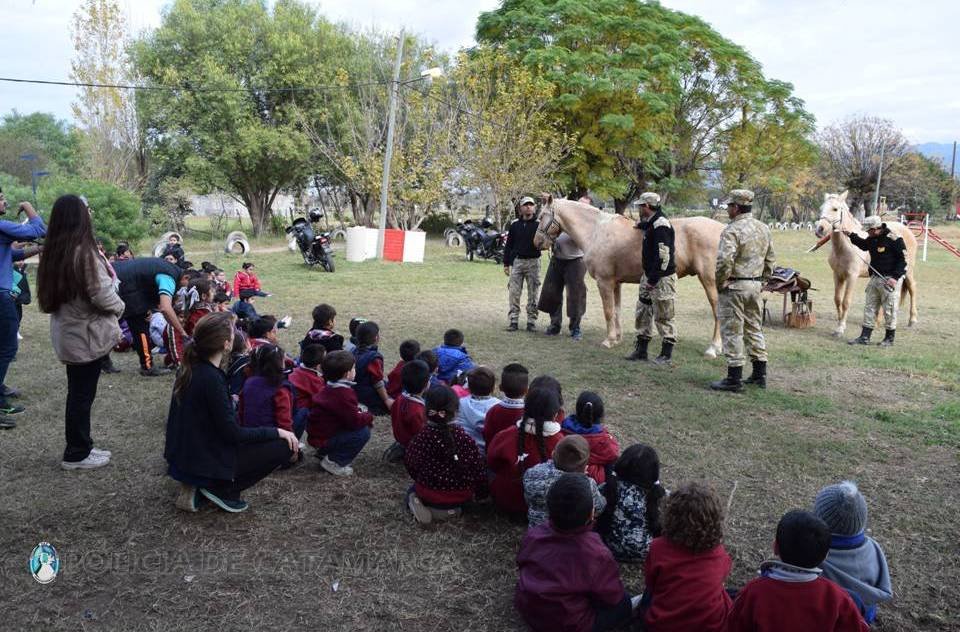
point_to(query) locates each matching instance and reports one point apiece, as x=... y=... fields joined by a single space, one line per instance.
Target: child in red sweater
x=447 y=467
x=517 y=449
x=686 y=567
x=567 y=580
x=407 y=415
x=338 y=427
x=307 y=381
x=514 y=380
x=246 y=279
x=199 y=303
x=588 y=423
x=791 y=595
x=408 y=352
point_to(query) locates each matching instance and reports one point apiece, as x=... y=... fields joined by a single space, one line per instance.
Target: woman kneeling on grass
x=208 y=452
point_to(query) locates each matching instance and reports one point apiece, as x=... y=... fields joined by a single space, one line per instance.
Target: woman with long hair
x=207 y=451
x=76 y=286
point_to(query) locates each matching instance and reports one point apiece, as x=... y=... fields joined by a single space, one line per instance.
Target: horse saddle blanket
x=786 y=280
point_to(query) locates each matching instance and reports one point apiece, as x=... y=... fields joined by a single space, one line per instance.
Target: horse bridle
x=545 y=233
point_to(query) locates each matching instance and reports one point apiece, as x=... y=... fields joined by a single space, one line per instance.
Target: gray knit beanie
x=842 y=507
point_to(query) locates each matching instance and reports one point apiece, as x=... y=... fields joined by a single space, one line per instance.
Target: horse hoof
x=608 y=343
x=710 y=353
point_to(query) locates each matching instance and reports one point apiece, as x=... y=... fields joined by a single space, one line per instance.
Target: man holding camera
x=11 y=232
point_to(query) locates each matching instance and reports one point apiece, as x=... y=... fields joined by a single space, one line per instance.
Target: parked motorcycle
x=483 y=241
x=316 y=249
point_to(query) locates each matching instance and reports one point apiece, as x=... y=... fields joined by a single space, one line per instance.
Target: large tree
x=235 y=73
x=850 y=154
x=55 y=143
x=113 y=151
x=653 y=97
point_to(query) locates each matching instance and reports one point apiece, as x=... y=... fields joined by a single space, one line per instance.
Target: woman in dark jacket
x=208 y=452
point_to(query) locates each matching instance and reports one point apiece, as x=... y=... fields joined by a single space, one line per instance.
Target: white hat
x=872 y=221
x=526 y=200
x=651 y=199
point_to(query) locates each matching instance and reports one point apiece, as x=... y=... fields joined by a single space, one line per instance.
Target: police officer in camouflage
x=658 y=286
x=521 y=262
x=744 y=260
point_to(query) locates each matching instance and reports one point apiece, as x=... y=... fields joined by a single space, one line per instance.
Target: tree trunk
x=258 y=209
x=620 y=205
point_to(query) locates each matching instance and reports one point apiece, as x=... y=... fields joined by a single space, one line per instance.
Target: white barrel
x=414 y=243
x=361 y=243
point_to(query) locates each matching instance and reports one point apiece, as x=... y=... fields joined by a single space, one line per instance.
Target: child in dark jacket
x=238 y=365
x=370 y=385
x=567 y=580
x=447 y=468
x=686 y=567
x=407 y=416
x=571 y=455
x=633 y=492
x=428 y=356
x=338 y=426
x=517 y=449
x=452 y=356
x=408 y=352
x=855 y=562
x=588 y=422
x=791 y=595
x=307 y=381
x=322 y=331
x=514 y=380
x=267 y=397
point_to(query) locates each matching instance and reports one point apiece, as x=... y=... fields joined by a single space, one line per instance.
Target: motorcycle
x=482 y=241
x=316 y=249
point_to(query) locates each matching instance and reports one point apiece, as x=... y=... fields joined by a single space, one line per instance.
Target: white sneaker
x=19 y=337
x=106 y=453
x=92 y=462
x=336 y=470
x=420 y=512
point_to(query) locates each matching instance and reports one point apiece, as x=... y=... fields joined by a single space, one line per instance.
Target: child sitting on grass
x=307 y=380
x=567 y=579
x=571 y=455
x=267 y=398
x=408 y=352
x=514 y=379
x=246 y=279
x=238 y=364
x=221 y=284
x=351 y=345
x=517 y=449
x=474 y=407
x=452 y=356
x=686 y=567
x=408 y=415
x=322 y=331
x=243 y=308
x=588 y=422
x=370 y=386
x=855 y=562
x=221 y=302
x=445 y=464
x=428 y=356
x=633 y=492
x=199 y=303
x=791 y=595
x=338 y=427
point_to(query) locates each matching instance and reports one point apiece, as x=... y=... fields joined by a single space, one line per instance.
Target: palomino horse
x=612 y=253
x=849 y=262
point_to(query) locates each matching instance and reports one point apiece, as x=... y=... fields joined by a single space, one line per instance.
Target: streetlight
x=429 y=74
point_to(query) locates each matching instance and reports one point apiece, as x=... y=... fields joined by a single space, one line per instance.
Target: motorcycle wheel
x=329 y=266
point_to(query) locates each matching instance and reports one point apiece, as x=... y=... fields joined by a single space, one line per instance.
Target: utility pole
x=388 y=154
x=953 y=180
x=876 y=193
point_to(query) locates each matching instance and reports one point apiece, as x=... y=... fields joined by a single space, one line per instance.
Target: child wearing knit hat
x=855 y=561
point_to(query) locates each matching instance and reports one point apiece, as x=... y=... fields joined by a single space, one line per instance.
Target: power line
x=454 y=106
x=120 y=86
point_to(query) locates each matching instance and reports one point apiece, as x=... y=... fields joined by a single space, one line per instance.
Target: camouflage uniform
x=656 y=306
x=879 y=297
x=744 y=257
x=524 y=270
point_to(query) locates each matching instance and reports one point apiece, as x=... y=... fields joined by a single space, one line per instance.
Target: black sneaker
x=552 y=330
x=231 y=506
x=154 y=371
x=512 y=327
x=6 y=392
x=10 y=409
x=7 y=424
x=531 y=327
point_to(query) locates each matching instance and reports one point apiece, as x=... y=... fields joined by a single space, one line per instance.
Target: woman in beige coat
x=77 y=287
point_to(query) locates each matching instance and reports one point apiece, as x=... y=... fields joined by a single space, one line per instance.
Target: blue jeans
x=613 y=617
x=9 y=325
x=344 y=447
x=300 y=416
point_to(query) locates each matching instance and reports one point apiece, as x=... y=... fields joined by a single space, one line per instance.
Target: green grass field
x=341 y=554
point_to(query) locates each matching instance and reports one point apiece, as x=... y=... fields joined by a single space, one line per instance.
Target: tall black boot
x=864 y=338
x=666 y=352
x=733 y=383
x=639 y=350
x=759 y=375
x=888 y=339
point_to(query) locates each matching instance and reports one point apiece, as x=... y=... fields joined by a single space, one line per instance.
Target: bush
x=436 y=222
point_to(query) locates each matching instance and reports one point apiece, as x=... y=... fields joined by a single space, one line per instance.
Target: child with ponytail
x=517 y=449
x=588 y=423
x=212 y=456
x=447 y=467
x=267 y=396
x=633 y=492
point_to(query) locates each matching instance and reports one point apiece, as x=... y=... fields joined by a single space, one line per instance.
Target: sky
x=890 y=58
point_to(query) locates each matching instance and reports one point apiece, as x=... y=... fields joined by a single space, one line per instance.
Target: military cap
x=742 y=197
x=649 y=198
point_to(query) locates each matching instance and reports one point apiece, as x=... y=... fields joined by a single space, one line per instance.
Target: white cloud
x=886 y=57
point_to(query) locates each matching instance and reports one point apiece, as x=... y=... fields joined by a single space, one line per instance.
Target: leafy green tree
x=652 y=96
x=56 y=144
x=246 y=140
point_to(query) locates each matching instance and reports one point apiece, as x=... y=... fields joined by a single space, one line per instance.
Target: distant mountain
x=939 y=151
